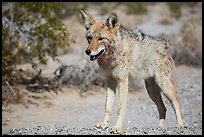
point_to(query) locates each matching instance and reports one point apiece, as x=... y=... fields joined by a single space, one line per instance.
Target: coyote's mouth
x=94 y=57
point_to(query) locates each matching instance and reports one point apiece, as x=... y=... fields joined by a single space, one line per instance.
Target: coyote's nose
x=88 y=52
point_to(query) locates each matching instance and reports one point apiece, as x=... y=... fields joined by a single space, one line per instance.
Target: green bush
x=31 y=32
x=136 y=7
x=188 y=45
x=175 y=7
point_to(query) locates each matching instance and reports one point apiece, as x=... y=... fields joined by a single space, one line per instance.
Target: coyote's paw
x=161 y=123
x=116 y=130
x=180 y=126
x=102 y=125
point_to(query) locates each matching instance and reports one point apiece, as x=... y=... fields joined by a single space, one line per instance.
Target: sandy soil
x=68 y=109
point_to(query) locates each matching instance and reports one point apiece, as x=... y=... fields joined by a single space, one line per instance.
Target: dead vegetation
x=26 y=89
x=187 y=45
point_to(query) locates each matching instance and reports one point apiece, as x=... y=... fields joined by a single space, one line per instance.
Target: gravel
x=58 y=130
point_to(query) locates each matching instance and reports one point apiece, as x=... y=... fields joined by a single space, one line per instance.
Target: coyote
x=121 y=52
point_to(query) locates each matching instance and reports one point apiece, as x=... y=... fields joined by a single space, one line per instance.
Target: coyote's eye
x=89 y=39
x=100 y=38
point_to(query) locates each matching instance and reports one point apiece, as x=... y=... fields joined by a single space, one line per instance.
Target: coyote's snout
x=95 y=54
x=121 y=52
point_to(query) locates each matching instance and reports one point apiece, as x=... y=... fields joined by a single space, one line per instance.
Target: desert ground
x=69 y=113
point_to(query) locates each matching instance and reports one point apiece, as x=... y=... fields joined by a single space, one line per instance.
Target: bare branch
x=10 y=88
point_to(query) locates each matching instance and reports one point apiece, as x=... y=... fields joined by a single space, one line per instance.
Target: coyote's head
x=100 y=34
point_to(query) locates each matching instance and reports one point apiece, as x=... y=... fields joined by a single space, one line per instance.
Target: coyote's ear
x=88 y=20
x=112 y=21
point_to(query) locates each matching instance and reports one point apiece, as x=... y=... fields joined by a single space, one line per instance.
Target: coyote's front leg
x=110 y=97
x=122 y=89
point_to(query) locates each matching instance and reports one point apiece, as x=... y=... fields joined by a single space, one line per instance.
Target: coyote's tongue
x=94 y=57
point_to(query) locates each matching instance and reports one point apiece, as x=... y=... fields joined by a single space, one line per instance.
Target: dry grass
x=166 y=20
x=9 y=95
x=87 y=76
x=187 y=46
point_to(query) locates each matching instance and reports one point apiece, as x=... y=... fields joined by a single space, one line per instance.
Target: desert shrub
x=136 y=8
x=175 y=7
x=31 y=32
x=167 y=20
x=82 y=76
x=85 y=75
x=188 y=49
x=10 y=97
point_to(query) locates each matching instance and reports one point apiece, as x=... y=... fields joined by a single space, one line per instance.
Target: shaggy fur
x=121 y=52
